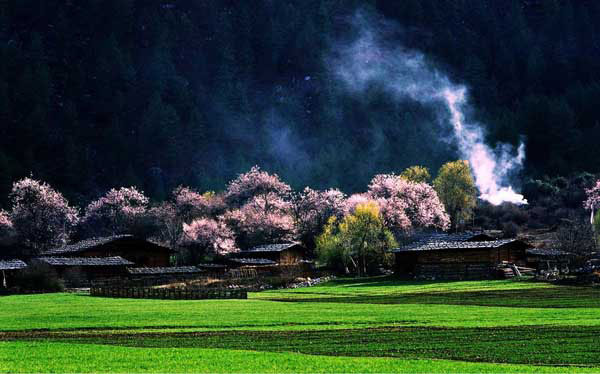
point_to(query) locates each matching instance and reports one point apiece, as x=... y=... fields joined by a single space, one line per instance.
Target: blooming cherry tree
x=254 y=183
x=190 y=204
x=40 y=215
x=263 y=219
x=418 y=201
x=208 y=236
x=120 y=211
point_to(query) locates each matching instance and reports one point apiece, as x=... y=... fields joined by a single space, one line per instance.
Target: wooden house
x=8 y=269
x=80 y=271
x=458 y=259
x=281 y=253
x=139 y=251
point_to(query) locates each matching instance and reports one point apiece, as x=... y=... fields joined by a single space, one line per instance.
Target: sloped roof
x=253 y=261
x=164 y=270
x=279 y=247
x=12 y=264
x=443 y=245
x=85 y=261
x=86 y=244
x=478 y=236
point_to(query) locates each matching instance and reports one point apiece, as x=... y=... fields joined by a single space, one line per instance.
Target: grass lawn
x=360 y=325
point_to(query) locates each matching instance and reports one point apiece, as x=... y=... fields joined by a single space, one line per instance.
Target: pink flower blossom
x=419 y=201
x=40 y=215
x=190 y=204
x=254 y=183
x=263 y=219
x=210 y=235
x=118 y=212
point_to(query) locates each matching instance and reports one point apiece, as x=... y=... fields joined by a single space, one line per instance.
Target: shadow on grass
x=559 y=297
x=540 y=345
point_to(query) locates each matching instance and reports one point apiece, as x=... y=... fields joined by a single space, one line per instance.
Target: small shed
x=137 y=250
x=79 y=271
x=8 y=268
x=458 y=259
x=281 y=253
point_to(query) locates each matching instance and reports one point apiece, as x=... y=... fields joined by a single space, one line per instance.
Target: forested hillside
x=96 y=94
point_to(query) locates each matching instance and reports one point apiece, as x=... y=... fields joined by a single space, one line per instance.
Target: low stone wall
x=168 y=293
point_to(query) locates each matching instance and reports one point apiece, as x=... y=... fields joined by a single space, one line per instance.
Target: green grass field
x=358 y=325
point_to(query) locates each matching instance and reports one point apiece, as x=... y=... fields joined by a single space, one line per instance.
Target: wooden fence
x=168 y=293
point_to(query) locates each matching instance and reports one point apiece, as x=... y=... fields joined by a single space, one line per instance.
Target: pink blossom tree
x=40 y=215
x=254 y=183
x=206 y=236
x=311 y=210
x=120 y=211
x=263 y=219
x=419 y=202
x=593 y=199
x=191 y=204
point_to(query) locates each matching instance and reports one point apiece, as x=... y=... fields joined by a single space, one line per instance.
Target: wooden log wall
x=168 y=293
x=455 y=271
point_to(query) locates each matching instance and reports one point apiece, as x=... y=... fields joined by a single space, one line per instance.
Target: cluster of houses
x=126 y=257
x=432 y=256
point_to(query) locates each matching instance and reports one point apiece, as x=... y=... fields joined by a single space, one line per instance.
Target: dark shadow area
x=538 y=345
x=563 y=297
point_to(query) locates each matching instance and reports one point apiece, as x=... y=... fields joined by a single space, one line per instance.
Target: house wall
x=290 y=256
x=457 y=264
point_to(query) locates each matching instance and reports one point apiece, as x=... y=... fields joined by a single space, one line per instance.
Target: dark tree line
x=96 y=94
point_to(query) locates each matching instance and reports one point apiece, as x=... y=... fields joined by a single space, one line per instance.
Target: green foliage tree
x=359 y=243
x=455 y=186
x=417 y=174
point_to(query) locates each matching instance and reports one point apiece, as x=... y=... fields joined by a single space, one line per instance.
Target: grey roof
x=164 y=270
x=88 y=244
x=12 y=264
x=547 y=252
x=253 y=261
x=85 y=261
x=453 y=237
x=271 y=247
x=212 y=266
x=84 y=244
x=442 y=245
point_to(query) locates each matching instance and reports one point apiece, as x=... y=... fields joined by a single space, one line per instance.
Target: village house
x=140 y=252
x=280 y=254
x=458 y=259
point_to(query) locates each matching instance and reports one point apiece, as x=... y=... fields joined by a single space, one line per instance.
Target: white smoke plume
x=369 y=60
